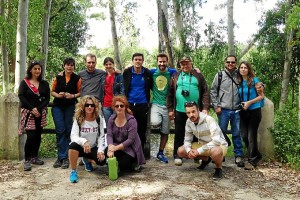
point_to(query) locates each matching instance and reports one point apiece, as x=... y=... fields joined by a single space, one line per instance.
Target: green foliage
x=286 y=136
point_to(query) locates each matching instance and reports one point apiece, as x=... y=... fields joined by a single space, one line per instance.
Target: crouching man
x=211 y=144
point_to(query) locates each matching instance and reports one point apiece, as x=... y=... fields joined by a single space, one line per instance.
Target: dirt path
x=156 y=181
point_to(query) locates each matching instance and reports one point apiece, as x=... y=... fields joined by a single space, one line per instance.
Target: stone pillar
x=265 y=138
x=9 y=120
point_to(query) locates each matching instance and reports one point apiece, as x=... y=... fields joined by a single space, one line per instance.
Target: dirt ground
x=156 y=181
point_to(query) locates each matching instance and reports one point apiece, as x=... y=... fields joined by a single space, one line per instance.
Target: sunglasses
x=89 y=104
x=230 y=62
x=119 y=106
x=190 y=104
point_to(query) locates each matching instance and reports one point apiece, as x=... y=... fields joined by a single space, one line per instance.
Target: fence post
x=10 y=145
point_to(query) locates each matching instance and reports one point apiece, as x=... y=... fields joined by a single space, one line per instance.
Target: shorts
x=160 y=118
x=195 y=145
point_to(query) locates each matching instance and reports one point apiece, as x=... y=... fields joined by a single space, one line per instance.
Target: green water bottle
x=113 y=168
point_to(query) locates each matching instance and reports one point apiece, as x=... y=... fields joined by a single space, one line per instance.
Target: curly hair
x=122 y=99
x=250 y=75
x=80 y=108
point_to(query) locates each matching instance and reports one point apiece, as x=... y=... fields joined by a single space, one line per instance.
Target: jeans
x=234 y=118
x=63 y=120
x=107 y=112
x=250 y=120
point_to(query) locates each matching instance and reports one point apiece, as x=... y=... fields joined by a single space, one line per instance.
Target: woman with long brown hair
x=122 y=137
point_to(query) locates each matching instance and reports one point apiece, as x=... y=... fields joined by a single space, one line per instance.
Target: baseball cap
x=185 y=59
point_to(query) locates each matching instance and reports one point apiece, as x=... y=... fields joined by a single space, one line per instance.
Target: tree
x=45 y=36
x=114 y=35
x=21 y=42
x=4 y=48
x=230 y=25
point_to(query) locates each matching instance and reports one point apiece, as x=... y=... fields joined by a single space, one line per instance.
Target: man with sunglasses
x=186 y=85
x=226 y=102
x=210 y=145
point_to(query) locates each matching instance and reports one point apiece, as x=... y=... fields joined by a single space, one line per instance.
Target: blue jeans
x=63 y=120
x=107 y=112
x=234 y=118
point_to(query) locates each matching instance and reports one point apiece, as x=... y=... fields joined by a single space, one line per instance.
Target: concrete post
x=265 y=139
x=9 y=121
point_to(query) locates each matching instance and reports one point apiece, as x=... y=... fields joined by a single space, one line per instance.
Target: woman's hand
x=87 y=147
x=246 y=104
x=35 y=112
x=100 y=156
x=110 y=154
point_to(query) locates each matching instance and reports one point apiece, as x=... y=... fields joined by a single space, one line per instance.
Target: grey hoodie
x=228 y=95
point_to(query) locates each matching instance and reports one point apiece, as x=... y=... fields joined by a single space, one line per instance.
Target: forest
x=51 y=30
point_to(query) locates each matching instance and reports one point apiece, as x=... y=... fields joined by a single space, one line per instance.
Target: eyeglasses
x=89 y=104
x=119 y=106
x=230 y=62
x=190 y=104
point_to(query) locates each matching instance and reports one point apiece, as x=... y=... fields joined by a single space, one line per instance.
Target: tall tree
x=21 y=42
x=181 y=37
x=230 y=25
x=45 y=38
x=4 y=48
x=114 y=35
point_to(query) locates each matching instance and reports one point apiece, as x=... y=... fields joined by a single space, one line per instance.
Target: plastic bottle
x=113 y=168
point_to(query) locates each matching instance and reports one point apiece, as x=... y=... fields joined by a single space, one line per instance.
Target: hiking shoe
x=239 y=162
x=87 y=165
x=218 y=174
x=161 y=157
x=249 y=166
x=36 y=161
x=57 y=163
x=178 y=161
x=73 y=176
x=65 y=164
x=27 y=165
x=204 y=163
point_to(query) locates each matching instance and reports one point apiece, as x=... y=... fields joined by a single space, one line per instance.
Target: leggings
x=33 y=140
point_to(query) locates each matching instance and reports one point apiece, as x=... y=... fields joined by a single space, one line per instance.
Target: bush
x=286 y=137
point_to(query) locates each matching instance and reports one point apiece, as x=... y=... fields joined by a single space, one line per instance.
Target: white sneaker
x=178 y=161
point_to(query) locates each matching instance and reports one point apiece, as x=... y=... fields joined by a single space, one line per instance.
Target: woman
x=122 y=138
x=65 y=90
x=87 y=136
x=34 y=95
x=250 y=115
x=112 y=86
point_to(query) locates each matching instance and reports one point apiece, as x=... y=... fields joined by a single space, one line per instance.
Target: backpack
x=220 y=74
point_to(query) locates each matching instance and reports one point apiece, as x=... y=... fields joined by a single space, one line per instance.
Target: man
x=159 y=111
x=186 y=85
x=225 y=100
x=137 y=84
x=211 y=144
x=91 y=77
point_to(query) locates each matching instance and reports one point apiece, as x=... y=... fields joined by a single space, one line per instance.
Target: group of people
x=122 y=101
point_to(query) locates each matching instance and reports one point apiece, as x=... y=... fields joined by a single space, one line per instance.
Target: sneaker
x=27 y=166
x=161 y=157
x=204 y=163
x=87 y=165
x=65 y=164
x=218 y=174
x=249 y=166
x=36 y=161
x=239 y=162
x=73 y=176
x=57 y=163
x=178 y=161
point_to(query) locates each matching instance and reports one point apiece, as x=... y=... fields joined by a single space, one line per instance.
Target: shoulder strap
x=219 y=82
x=32 y=87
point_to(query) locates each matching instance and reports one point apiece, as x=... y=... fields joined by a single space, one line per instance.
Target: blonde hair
x=80 y=108
x=122 y=99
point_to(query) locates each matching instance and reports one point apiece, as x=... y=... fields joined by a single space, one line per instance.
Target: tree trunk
x=21 y=42
x=161 y=46
x=4 y=50
x=166 y=35
x=118 y=62
x=179 y=27
x=45 y=39
x=286 y=71
x=230 y=25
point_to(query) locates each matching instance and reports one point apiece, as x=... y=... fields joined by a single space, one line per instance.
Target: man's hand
x=171 y=115
x=205 y=112
x=193 y=153
x=218 y=110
